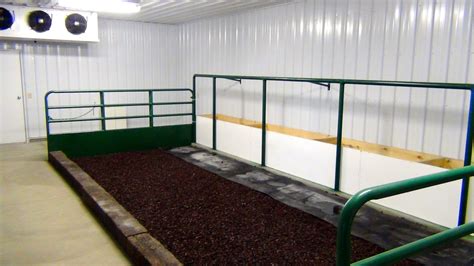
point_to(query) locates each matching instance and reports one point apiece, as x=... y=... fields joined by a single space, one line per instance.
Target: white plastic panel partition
x=417 y=40
x=240 y=141
x=131 y=55
x=438 y=204
x=311 y=160
x=315 y=161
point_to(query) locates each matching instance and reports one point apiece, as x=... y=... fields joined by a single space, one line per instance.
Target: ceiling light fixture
x=102 y=6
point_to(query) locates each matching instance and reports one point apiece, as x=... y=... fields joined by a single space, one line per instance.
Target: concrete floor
x=42 y=221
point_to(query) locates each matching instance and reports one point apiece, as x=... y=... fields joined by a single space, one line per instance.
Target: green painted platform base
x=121 y=140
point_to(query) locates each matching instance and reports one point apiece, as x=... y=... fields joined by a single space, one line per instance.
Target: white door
x=12 y=121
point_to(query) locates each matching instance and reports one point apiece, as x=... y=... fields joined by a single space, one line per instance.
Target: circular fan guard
x=39 y=21
x=76 y=24
x=6 y=19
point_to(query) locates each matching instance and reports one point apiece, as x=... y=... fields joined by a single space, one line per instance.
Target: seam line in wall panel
x=36 y=91
x=427 y=98
x=332 y=66
x=344 y=41
x=448 y=59
x=369 y=55
x=323 y=40
x=303 y=87
x=382 y=60
x=356 y=67
x=25 y=93
x=410 y=96
x=311 y=126
x=395 y=89
x=466 y=94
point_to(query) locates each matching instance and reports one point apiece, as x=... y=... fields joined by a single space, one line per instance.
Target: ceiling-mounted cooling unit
x=29 y=23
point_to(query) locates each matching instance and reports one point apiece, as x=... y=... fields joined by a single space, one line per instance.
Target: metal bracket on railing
x=237 y=80
x=327 y=85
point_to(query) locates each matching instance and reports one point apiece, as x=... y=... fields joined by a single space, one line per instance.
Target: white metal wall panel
x=417 y=40
x=130 y=55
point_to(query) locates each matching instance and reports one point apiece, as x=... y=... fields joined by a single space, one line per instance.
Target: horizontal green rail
x=436 y=85
x=106 y=141
x=115 y=118
x=122 y=90
x=103 y=106
x=115 y=105
x=359 y=199
x=418 y=246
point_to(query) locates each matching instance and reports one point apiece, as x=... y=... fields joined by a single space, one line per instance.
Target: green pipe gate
x=120 y=140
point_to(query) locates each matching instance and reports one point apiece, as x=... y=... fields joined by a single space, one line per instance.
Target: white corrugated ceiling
x=179 y=11
x=173 y=11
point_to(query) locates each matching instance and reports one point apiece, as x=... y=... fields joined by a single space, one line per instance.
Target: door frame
x=23 y=91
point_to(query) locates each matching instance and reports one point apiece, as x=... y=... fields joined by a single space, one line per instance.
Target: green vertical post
x=467 y=161
x=46 y=109
x=214 y=137
x=194 y=110
x=264 y=121
x=102 y=109
x=340 y=116
x=150 y=107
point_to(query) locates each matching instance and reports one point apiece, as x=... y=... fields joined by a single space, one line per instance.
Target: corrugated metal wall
x=424 y=40
x=418 y=40
x=130 y=55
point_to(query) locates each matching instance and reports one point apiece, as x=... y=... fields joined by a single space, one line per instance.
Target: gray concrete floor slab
x=42 y=221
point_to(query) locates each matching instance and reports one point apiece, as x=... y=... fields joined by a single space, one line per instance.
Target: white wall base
x=315 y=161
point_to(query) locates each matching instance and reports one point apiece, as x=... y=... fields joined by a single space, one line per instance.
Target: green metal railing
x=391 y=256
x=103 y=105
x=342 y=83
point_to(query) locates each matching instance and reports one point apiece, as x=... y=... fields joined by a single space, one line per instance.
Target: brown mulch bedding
x=205 y=219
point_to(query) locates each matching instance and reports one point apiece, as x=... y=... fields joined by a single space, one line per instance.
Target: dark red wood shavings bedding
x=205 y=219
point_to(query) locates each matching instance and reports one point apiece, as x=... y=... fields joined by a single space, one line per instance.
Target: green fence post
x=340 y=116
x=150 y=107
x=102 y=109
x=194 y=109
x=46 y=109
x=467 y=161
x=214 y=137
x=264 y=121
